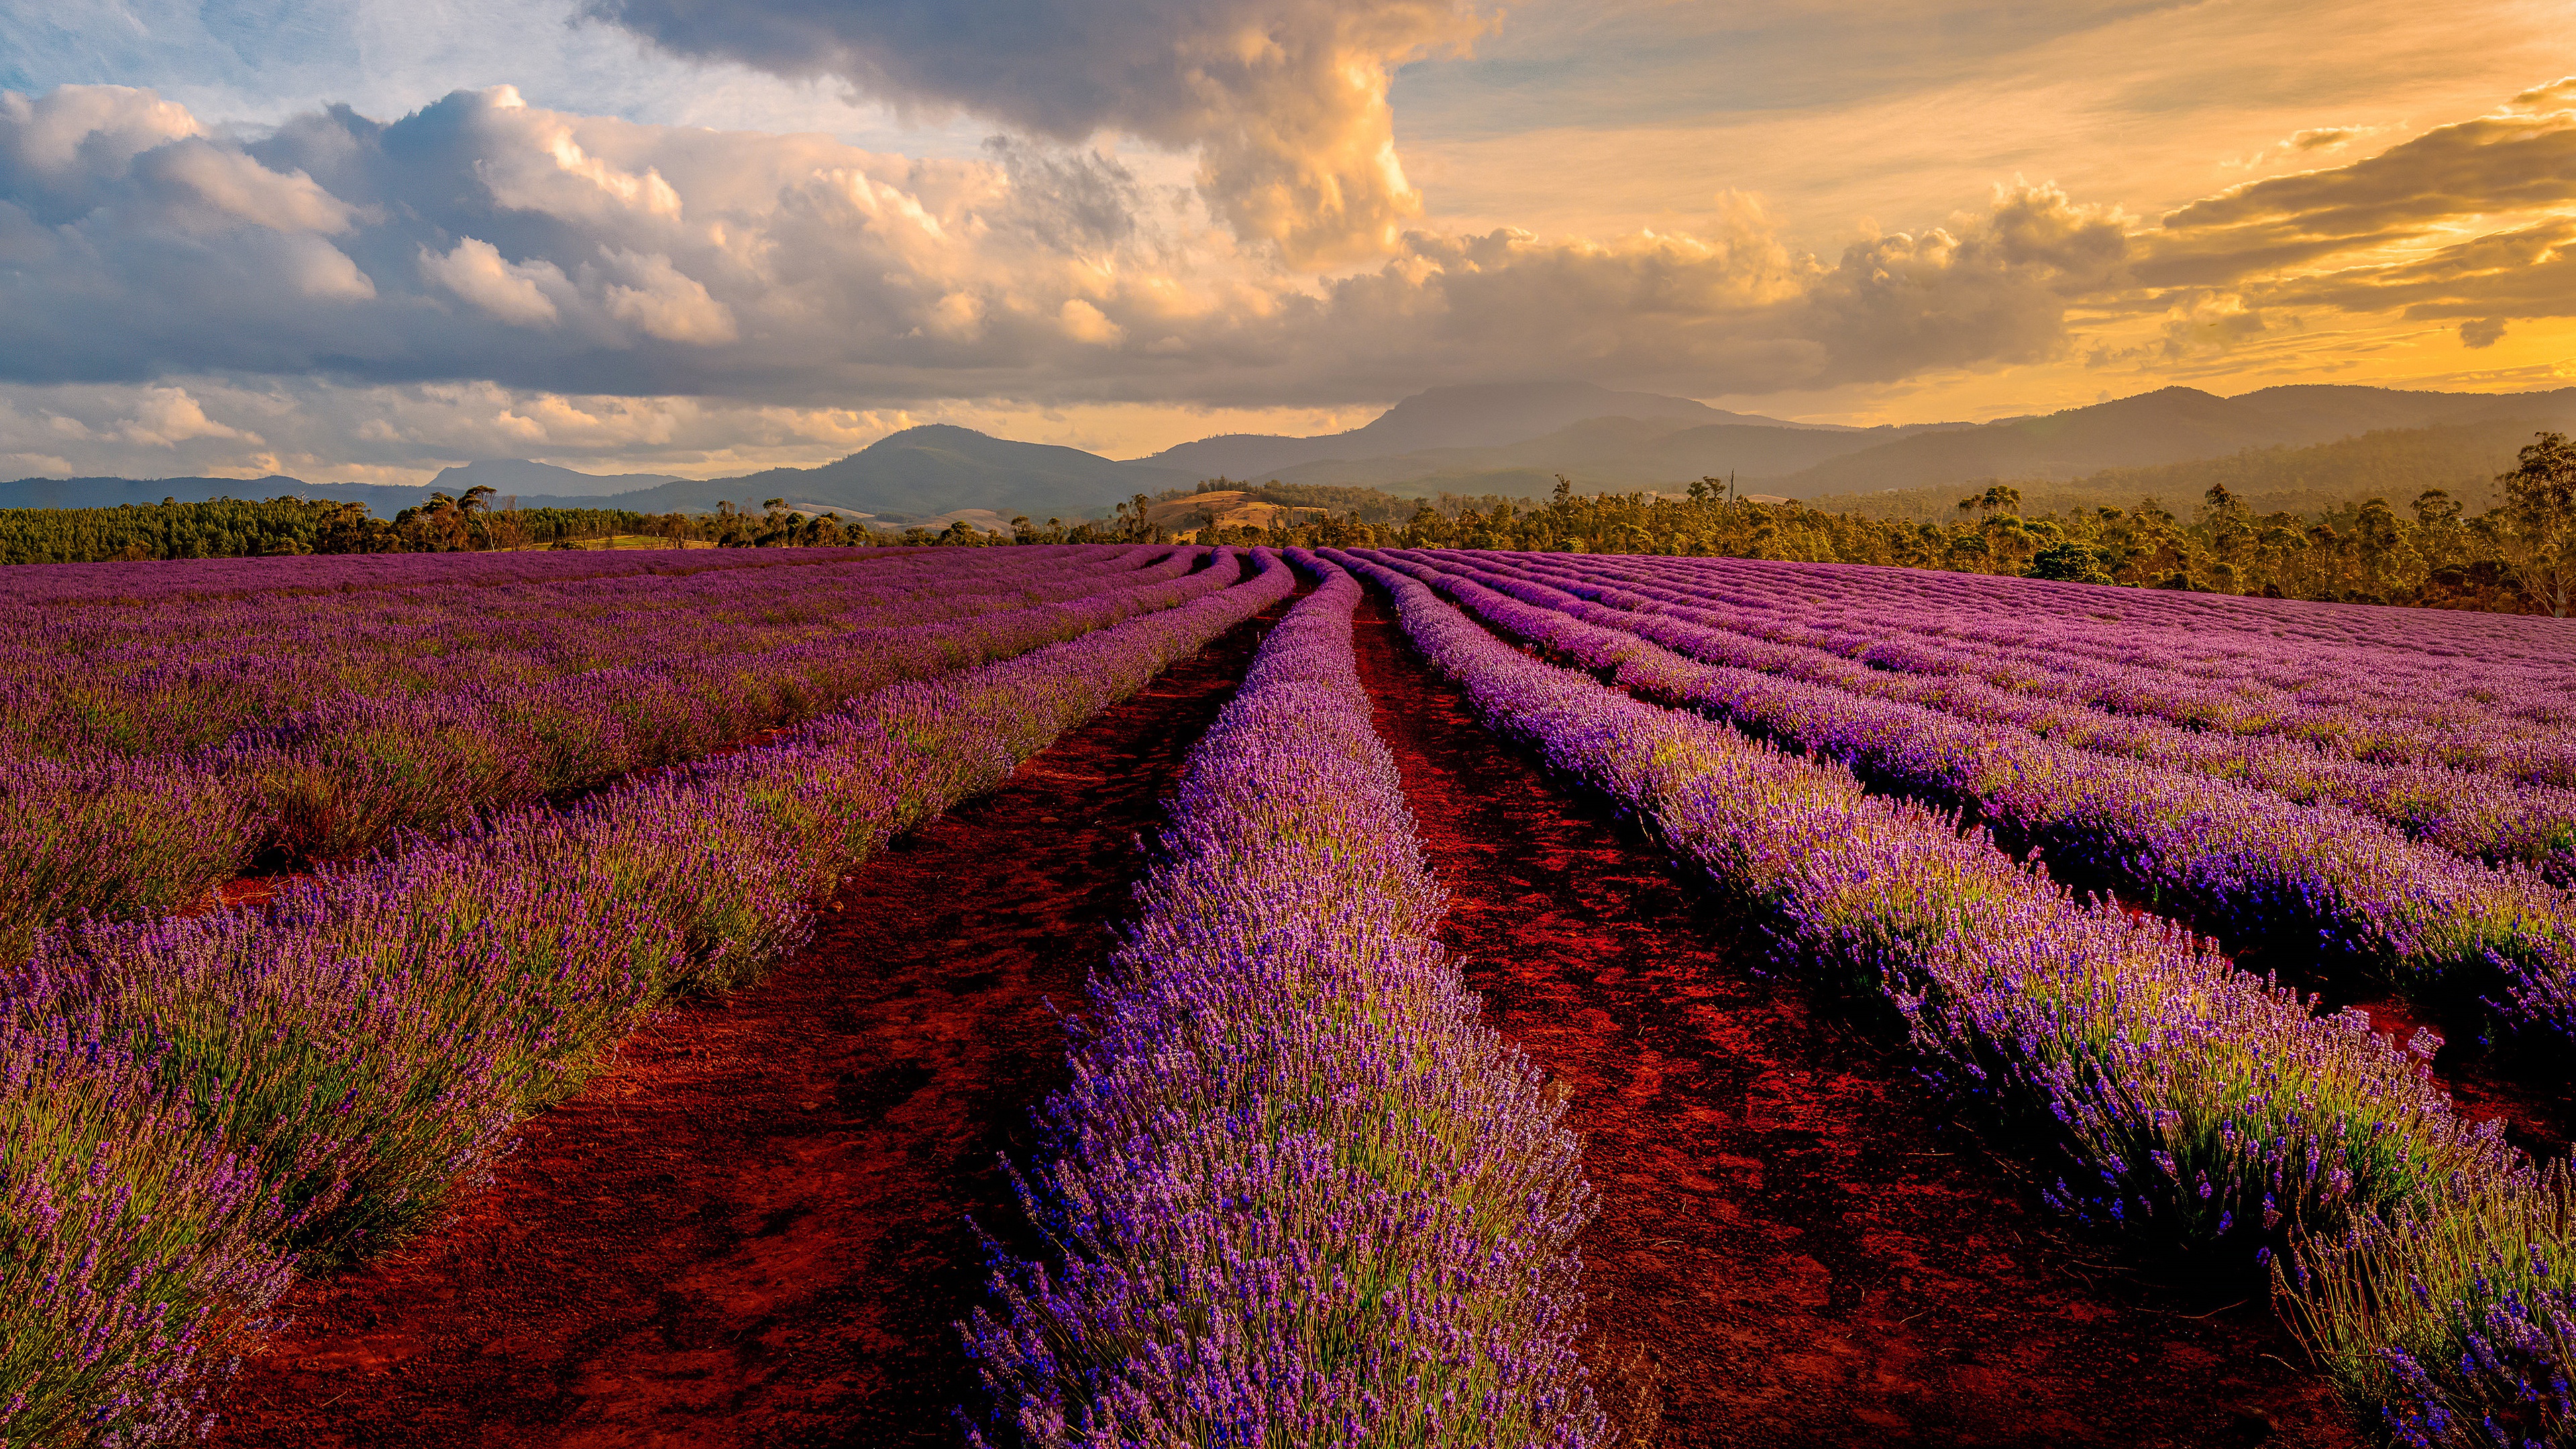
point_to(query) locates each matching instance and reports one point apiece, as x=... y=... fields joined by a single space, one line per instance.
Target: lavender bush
x=2458 y=1321
x=2427 y=688
x=365 y=1043
x=200 y=674
x=2183 y=1099
x=1299 y=1192
x=140 y=836
x=2248 y=863
x=135 y=1253
x=2479 y=814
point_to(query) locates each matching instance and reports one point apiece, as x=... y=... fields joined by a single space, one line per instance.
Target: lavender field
x=2218 y=954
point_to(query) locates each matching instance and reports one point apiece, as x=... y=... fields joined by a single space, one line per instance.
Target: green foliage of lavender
x=1301 y=1193
x=135 y=1252
x=2459 y=1320
x=192 y=1104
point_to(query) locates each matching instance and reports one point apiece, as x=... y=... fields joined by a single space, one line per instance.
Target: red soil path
x=1788 y=1239
x=752 y=1230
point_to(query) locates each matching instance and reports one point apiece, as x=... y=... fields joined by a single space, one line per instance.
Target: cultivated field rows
x=200 y=675
x=2194 y=1102
x=1298 y=1189
x=2246 y=864
x=2475 y=713
x=194 y=1104
x=135 y=836
x=2476 y=813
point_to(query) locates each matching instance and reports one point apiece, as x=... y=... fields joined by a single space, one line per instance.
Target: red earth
x=753 y=1228
x=1793 y=1248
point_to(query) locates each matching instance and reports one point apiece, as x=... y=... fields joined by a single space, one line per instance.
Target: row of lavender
x=127 y=837
x=2182 y=1100
x=1300 y=1193
x=2475 y=712
x=2482 y=816
x=2223 y=634
x=197 y=581
x=79 y=682
x=2255 y=868
x=187 y=1107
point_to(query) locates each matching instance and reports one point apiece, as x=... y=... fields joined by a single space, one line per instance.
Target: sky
x=361 y=240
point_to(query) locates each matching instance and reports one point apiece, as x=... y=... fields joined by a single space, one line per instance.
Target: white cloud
x=1085 y=323
x=203 y=180
x=794 y=269
x=488 y=277
x=664 y=303
x=1284 y=100
x=167 y=416
x=475 y=272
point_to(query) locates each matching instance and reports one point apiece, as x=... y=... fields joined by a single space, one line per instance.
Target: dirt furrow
x=1792 y=1248
x=753 y=1229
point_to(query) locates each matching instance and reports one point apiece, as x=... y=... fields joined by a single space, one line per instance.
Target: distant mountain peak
x=525 y=476
x=1462 y=415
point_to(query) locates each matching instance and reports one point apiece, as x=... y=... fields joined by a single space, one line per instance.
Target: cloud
x=58 y=150
x=198 y=180
x=167 y=416
x=486 y=277
x=2557 y=95
x=2471 y=223
x=475 y=272
x=1080 y=201
x=2306 y=141
x=486 y=239
x=2515 y=161
x=2524 y=272
x=1285 y=100
x=664 y=303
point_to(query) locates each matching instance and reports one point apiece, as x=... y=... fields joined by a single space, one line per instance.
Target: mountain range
x=1509 y=439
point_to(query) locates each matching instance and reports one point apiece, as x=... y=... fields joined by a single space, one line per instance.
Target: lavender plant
x=2474 y=696
x=1298 y=1192
x=2245 y=862
x=136 y=1254
x=139 y=837
x=2181 y=1098
x=2457 y=1321
x=2482 y=815
x=174 y=679
x=365 y=1043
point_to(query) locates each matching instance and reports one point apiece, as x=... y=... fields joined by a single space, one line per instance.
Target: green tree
x=2071 y=563
x=2538 y=536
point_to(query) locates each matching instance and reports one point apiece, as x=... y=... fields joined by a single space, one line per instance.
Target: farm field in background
x=1167 y=994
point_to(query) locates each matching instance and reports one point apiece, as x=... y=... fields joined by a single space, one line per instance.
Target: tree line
x=236 y=528
x=2518 y=557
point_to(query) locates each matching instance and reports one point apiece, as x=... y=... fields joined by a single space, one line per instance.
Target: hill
x=1479 y=416
x=2172 y=425
x=1613 y=452
x=509 y=476
x=2394 y=464
x=1451 y=441
x=934 y=469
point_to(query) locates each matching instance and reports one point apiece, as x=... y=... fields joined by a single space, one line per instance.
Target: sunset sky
x=362 y=239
